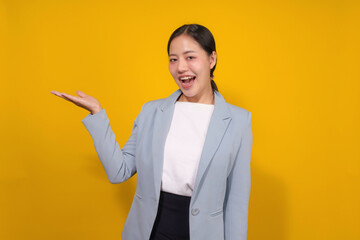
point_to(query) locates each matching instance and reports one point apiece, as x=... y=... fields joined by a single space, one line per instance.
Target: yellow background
x=294 y=64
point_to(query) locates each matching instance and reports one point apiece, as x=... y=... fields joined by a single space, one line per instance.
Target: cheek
x=199 y=66
x=172 y=70
x=194 y=67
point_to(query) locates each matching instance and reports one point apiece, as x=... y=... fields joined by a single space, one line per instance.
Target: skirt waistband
x=172 y=220
x=173 y=200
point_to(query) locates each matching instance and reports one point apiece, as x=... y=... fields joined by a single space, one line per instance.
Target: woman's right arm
x=118 y=163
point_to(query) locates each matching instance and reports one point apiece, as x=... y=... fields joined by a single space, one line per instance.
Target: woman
x=191 y=151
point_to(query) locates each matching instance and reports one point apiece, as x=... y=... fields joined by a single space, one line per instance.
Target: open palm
x=85 y=101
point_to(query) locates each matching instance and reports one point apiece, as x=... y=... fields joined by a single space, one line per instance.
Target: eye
x=172 y=59
x=190 y=57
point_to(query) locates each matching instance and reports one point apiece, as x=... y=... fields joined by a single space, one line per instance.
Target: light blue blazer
x=219 y=203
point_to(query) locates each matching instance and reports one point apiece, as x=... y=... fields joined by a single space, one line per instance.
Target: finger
x=80 y=93
x=75 y=99
x=56 y=93
x=59 y=94
x=69 y=96
x=67 y=99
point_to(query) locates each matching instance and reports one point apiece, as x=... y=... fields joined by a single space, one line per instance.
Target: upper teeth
x=186 y=78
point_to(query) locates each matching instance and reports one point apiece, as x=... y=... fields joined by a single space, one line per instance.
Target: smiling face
x=190 y=66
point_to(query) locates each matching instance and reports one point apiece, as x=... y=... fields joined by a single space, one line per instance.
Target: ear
x=212 y=59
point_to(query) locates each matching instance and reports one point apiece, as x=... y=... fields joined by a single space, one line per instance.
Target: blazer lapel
x=219 y=122
x=161 y=128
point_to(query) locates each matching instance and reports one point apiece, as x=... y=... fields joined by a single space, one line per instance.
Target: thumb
x=80 y=93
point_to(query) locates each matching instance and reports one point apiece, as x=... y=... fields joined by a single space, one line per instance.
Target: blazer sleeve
x=119 y=164
x=238 y=189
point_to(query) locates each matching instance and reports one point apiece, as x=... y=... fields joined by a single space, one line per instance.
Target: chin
x=188 y=93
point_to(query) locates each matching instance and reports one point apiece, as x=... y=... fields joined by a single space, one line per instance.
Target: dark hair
x=203 y=36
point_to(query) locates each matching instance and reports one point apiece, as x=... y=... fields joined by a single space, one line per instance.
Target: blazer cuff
x=94 y=121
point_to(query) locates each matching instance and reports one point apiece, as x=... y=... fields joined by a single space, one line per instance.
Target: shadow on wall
x=267 y=210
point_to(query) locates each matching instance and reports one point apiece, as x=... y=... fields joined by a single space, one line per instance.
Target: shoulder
x=150 y=109
x=163 y=103
x=152 y=105
x=238 y=114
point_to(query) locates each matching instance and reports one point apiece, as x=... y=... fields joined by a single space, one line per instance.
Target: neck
x=205 y=98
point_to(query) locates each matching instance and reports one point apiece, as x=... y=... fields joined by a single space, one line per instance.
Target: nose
x=182 y=66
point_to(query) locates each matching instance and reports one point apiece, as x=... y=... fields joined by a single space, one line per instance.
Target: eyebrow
x=190 y=51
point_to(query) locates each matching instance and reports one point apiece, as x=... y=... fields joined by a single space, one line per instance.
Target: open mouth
x=187 y=81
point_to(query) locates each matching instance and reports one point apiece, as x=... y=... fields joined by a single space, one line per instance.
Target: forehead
x=184 y=43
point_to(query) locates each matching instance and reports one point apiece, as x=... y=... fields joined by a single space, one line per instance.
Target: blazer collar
x=220 y=107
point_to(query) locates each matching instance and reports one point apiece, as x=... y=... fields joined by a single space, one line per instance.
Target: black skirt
x=172 y=219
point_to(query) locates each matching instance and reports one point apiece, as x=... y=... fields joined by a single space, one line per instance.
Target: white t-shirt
x=183 y=146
